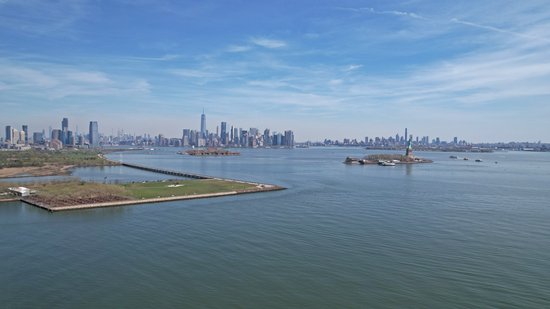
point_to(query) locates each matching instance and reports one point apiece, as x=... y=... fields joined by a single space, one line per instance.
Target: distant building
x=56 y=135
x=9 y=137
x=223 y=133
x=94 y=134
x=15 y=136
x=56 y=144
x=22 y=137
x=289 y=139
x=26 y=130
x=21 y=191
x=267 y=138
x=38 y=138
x=65 y=131
x=203 y=124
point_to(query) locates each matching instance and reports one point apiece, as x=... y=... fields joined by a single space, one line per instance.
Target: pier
x=167 y=172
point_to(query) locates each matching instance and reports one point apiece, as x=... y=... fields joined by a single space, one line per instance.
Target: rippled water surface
x=449 y=234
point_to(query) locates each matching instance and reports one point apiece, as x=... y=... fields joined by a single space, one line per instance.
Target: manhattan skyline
x=325 y=69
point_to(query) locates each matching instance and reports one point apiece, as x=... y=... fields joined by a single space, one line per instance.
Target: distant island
x=389 y=159
x=210 y=152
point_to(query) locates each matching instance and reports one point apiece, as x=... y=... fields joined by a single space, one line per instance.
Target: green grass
x=72 y=189
x=78 y=157
x=182 y=188
x=66 y=193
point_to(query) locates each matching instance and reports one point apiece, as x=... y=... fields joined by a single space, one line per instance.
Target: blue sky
x=479 y=70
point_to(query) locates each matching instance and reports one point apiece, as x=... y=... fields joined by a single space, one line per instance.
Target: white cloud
x=268 y=43
x=238 y=48
x=353 y=67
x=495 y=29
x=391 y=12
x=87 y=77
x=53 y=81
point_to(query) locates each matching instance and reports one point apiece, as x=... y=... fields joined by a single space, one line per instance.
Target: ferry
x=386 y=163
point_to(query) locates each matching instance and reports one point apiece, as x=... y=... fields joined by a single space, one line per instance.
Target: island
x=72 y=195
x=210 y=152
x=389 y=159
x=58 y=195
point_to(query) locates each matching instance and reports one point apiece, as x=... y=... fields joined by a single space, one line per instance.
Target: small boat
x=386 y=163
x=466 y=159
x=479 y=160
x=453 y=157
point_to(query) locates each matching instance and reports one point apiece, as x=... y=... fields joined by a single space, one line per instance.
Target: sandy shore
x=32 y=171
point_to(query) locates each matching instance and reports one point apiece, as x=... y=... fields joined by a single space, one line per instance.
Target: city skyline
x=325 y=69
x=64 y=134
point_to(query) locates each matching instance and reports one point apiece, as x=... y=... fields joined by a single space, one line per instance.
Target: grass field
x=183 y=187
x=68 y=193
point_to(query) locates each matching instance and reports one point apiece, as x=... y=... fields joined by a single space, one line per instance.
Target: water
x=454 y=233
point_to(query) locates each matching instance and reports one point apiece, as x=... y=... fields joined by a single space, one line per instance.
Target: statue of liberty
x=409 y=152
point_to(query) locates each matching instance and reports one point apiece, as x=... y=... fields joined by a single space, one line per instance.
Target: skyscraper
x=8 y=134
x=406 y=136
x=65 y=131
x=203 y=124
x=26 y=130
x=224 y=132
x=267 y=139
x=289 y=139
x=94 y=134
x=56 y=135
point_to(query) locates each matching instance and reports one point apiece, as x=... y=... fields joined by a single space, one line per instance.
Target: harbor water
x=450 y=234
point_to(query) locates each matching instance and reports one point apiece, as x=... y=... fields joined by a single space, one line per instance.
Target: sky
x=478 y=70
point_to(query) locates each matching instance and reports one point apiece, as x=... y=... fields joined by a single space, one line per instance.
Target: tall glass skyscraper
x=9 y=136
x=223 y=133
x=65 y=130
x=203 y=124
x=26 y=130
x=94 y=134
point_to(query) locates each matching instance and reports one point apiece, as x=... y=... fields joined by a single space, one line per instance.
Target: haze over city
x=332 y=69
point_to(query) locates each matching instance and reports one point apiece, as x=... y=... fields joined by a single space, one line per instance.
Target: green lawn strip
x=183 y=188
x=75 y=189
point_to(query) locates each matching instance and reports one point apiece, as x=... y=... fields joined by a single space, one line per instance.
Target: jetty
x=166 y=172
